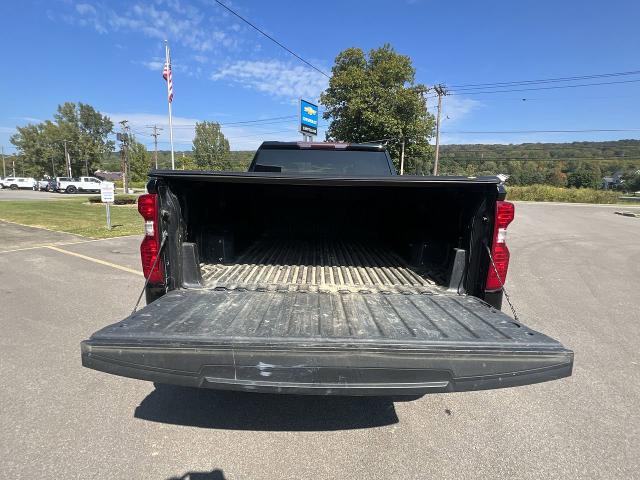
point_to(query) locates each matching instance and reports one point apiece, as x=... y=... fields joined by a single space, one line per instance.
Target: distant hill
x=551 y=163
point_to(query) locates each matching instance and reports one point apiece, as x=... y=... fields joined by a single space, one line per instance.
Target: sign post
x=107 y=196
x=308 y=120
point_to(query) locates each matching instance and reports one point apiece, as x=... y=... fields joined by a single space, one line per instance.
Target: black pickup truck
x=321 y=271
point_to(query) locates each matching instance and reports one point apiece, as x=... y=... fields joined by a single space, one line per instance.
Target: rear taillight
x=497 y=276
x=150 y=247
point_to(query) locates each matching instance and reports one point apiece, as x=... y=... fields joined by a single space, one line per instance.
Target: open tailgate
x=326 y=343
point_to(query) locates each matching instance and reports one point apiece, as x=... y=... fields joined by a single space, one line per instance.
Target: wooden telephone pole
x=123 y=137
x=156 y=132
x=441 y=91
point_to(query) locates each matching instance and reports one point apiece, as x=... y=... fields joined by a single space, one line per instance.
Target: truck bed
x=318 y=265
x=325 y=342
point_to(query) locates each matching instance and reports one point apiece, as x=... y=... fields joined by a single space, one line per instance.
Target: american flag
x=168 y=76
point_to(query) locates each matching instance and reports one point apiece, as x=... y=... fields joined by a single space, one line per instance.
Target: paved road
x=575 y=274
x=8 y=194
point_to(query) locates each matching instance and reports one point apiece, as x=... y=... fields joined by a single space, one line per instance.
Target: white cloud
x=155 y=65
x=274 y=77
x=241 y=137
x=28 y=119
x=455 y=108
x=85 y=9
x=172 y=19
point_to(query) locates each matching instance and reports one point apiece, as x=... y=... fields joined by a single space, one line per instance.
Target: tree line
x=81 y=138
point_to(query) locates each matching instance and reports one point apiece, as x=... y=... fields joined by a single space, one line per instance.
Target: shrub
x=118 y=200
x=547 y=193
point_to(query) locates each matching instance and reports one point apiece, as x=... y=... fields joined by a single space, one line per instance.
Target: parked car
x=42 y=185
x=60 y=180
x=82 y=184
x=322 y=271
x=52 y=185
x=15 y=183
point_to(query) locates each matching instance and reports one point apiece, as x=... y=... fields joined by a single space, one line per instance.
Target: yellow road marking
x=63 y=244
x=95 y=260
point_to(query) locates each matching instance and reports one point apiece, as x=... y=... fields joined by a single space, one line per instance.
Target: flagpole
x=166 y=51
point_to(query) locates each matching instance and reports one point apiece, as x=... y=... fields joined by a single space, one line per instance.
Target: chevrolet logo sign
x=309 y=111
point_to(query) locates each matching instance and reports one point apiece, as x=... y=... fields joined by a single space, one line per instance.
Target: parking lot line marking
x=41 y=228
x=64 y=244
x=95 y=260
x=46 y=245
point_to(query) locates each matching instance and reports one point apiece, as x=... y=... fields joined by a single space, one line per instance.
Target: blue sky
x=110 y=53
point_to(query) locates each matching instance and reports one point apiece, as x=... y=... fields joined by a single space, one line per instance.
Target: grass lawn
x=74 y=216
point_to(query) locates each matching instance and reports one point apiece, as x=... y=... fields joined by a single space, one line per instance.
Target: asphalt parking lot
x=575 y=275
x=8 y=194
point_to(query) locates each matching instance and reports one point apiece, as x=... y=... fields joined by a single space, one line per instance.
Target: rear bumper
x=330 y=369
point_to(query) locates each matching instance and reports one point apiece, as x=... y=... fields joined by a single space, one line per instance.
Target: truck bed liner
x=350 y=343
x=319 y=265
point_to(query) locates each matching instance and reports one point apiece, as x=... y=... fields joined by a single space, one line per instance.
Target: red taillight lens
x=148 y=206
x=150 y=247
x=496 y=277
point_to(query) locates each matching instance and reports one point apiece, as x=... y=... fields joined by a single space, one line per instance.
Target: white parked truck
x=82 y=184
x=15 y=183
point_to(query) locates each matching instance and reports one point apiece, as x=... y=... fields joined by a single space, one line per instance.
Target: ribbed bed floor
x=299 y=265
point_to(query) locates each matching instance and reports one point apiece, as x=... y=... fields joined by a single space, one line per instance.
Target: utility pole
x=67 y=159
x=441 y=91
x=13 y=164
x=155 y=134
x=124 y=158
x=4 y=167
x=402 y=158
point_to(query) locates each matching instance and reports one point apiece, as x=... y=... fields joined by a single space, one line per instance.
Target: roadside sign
x=308 y=118
x=107 y=196
x=107 y=192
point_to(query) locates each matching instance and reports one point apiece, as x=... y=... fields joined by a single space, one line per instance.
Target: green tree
x=210 y=147
x=588 y=175
x=187 y=162
x=556 y=178
x=632 y=182
x=375 y=97
x=139 y=160
x=85 y=131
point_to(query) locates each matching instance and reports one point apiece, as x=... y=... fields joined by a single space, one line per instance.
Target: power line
x=265 y=121
x=587 y=130
x=460 y=147
x=255 y=123
x=272 y=39
x=544 y=80
x=524 y=159
x=463 y=92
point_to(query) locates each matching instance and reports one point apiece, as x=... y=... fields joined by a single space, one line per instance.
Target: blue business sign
x=308 y=118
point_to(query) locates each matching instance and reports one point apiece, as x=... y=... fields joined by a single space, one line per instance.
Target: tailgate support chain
x=146 y=281
x=506 y=295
